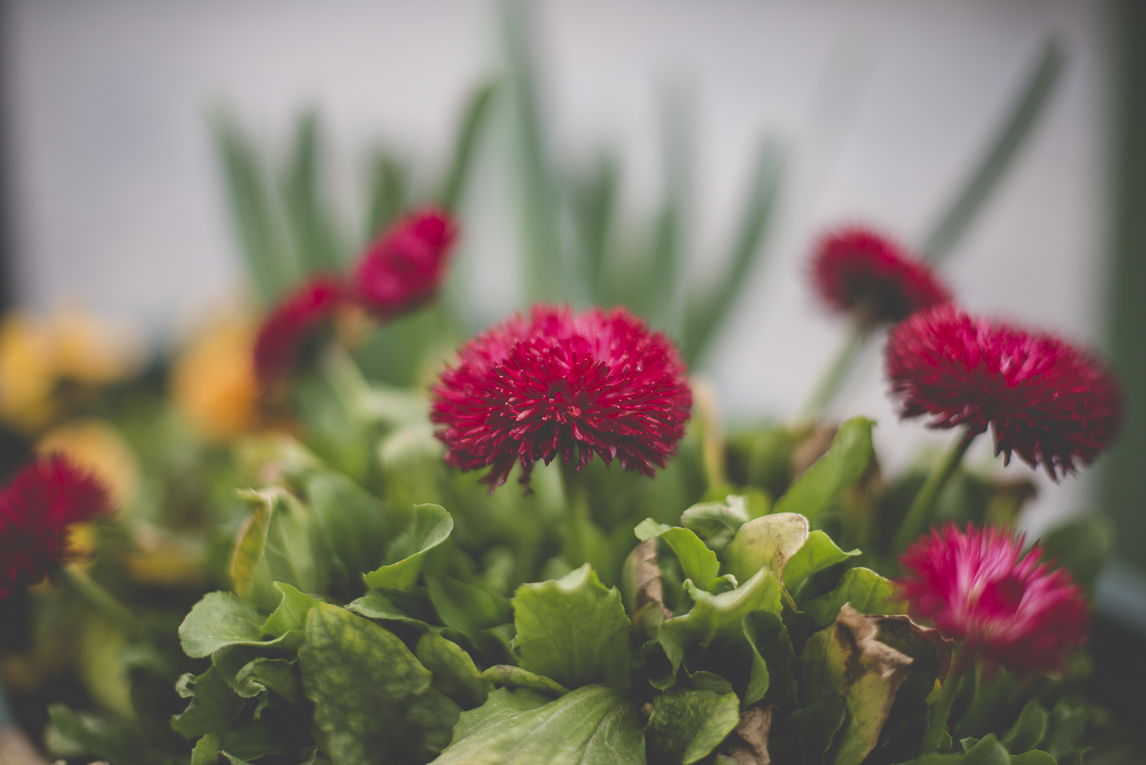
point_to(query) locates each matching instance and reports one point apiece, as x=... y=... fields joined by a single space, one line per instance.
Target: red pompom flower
x=36 y=509
x=406 y=266
x=1005 y=606
x=1044 y=399
x=563 y=385
x=857 y=271
x=295 y=319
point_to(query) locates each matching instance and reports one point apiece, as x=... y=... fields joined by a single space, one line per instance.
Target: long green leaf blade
x=1000 y=155
x=313 y=233
x=474 y=119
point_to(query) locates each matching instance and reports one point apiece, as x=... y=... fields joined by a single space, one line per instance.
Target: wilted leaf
x=818 y=553
x=820 y=485
x=847 y=659
x=281 y=543
x=685 y=725
x=372 y=698
x=432 y=525
x=572 y=629
x=765 y=543
x=593 y=725
x=865 y=590
x=642 y=589
x=749 y=745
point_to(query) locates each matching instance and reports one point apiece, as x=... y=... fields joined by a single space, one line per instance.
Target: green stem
x=923 y=507
x=836 y=372
x=76 y=580
x=937 y=722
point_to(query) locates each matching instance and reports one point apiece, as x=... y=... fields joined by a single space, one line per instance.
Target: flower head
x=1045 y=400
x=293 y=320
x=36 y=509
x=563 y=385
x=857 y=271
x=405 y=267
x=1005 y=606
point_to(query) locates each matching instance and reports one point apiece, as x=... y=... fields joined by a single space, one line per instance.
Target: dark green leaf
x=1028 y=730
x=572 y=630
x=432 y=525
x=686 y=725
x=516 y=677
x=375 y=605
x=593 y=725
x=1081 y=547
x=1033 y=757
x=1065 y=727
x=808 y=733
x=865 y=590
x=769 y=639
x=468 y=608
x=820 y=485
x=352 y=520
x=213 y=706
x=206 y=751
x=987 y=751
x=817 y=554
x=372 y=697
x=454 y=672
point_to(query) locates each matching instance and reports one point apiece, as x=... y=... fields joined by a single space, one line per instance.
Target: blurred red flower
x=563 y=385
x=36 y=509
x=1010 y=608
x=1043 y=398
x=405 y=267
x=855 y=270
x=291 y=322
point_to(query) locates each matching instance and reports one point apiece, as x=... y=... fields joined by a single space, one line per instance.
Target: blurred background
x=114 y=195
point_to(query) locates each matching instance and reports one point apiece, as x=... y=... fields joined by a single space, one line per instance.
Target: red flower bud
x=405 y=267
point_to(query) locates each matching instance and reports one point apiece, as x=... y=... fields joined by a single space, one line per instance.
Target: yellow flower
x=213 y=382
x=91 y=350
x=27 y=373
x=98 y=447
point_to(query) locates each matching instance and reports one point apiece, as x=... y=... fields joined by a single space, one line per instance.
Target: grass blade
x=262 y=243
x=389 y=192
x=313 y=234
x=706 y=311
x=1002 y=152
x=594 y=202
x=476 y=115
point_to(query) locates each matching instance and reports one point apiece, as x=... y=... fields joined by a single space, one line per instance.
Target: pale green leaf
x=432 y=525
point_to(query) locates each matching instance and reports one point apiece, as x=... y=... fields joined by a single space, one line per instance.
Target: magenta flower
x=36 y=509
x=291 y=323
x=405 y=267
x=1006 y=606
x=1044 y=399
x=857 y=271
x=563 y=385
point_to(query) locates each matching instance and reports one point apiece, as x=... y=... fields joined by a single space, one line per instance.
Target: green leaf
x=432 y=525
x=516 y=677
x=1065 y=727
x=375 y=605
x=263 y=674
x=370 y=694
x=468 y=608
x=218 y=620
x=114 y=741
x=697 y=561
x=847 y=659
x=1033 y=757
x=206 y=750
x=808 y=733
x=769 y=639
x=1028 y=730
x=817 y=554
x=594 y=202
x=686 y=725
x=573 y=630
x=716 y=620
x=865 y=590
x=717 y=522
x=815 y=491
x=1003 y=149
x=351 y=519
x=593 y=725
x=1081 y=547
x=454 y=672
x=987 y=751
x=389 y=189
x=281 y=543
x=705 y=312
x=313 y=232
x=765 y=543
x=476 y=115
x=213 y=708
x=288 y=622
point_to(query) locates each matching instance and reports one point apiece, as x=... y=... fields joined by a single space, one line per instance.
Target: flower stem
x=923 y=507
x=937 y=722
x=82 y=585
x=836 y=372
